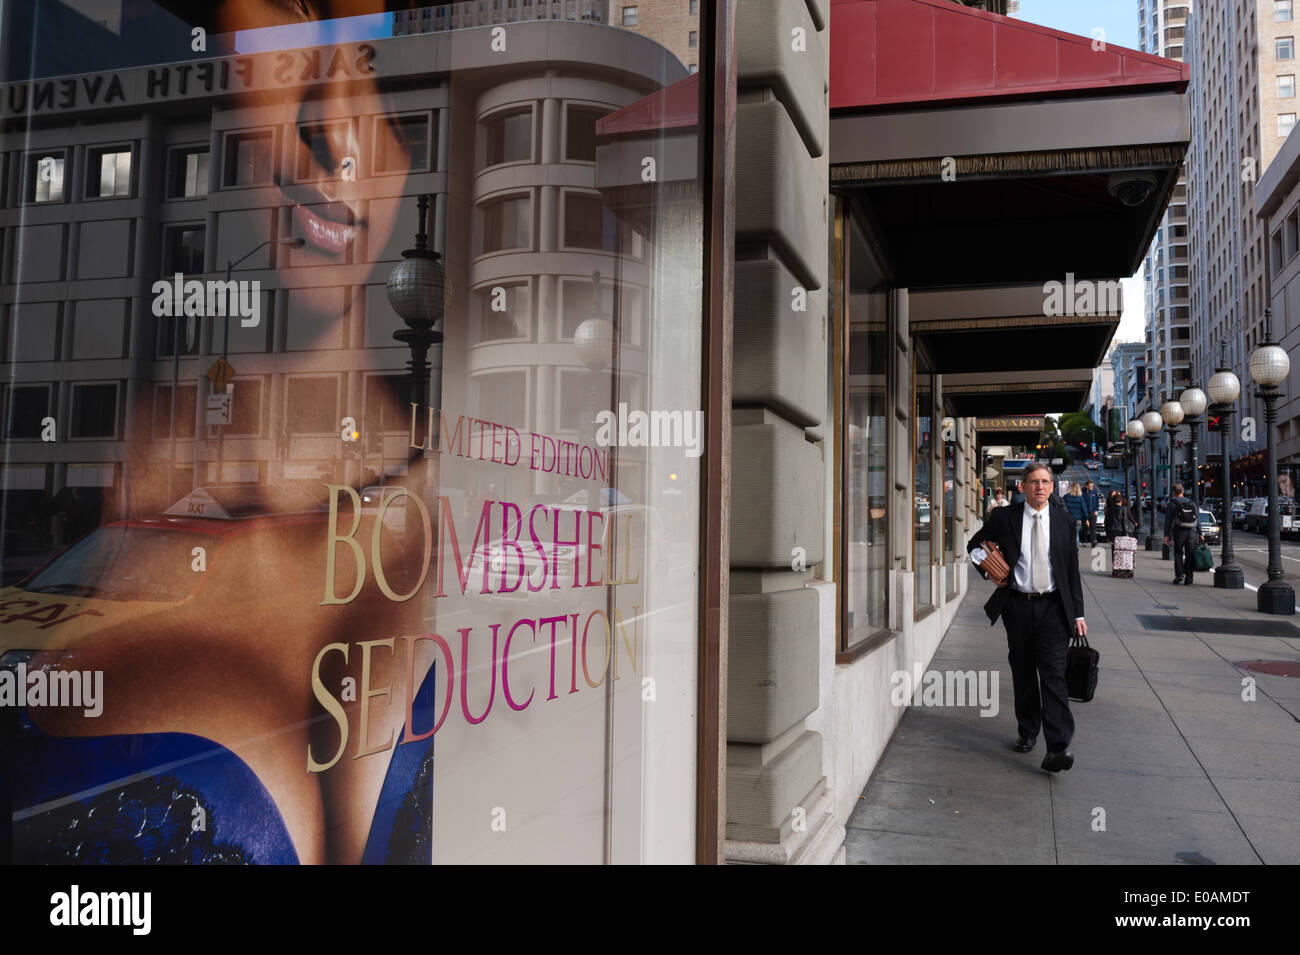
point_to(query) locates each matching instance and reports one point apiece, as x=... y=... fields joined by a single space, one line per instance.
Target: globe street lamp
x=1193 y=402
x=1224 y=388
x=416 y=289
x=1171 y=412
x=1269 y=365
x=1133 y=434
x=1153 y=423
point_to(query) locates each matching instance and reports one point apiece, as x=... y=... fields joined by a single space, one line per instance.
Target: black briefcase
x=1081 y=669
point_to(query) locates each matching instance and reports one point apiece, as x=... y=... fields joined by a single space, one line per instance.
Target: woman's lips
x=325 y=234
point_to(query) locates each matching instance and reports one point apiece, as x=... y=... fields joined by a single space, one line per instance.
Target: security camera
x=1132 y=188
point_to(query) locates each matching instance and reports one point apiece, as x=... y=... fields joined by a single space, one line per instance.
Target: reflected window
x=187 y=173
x=45 y=177
x=311 y=405
x=408 y=148
x=629 y=16
x=506 y=225
x=925 y=515
x=183 y=249
x=25 y=408
x=109 y=174
x=503 y=312
x=94 y=411
x=321 y=148
x=509 y=136
x=580 y=132
x=249 y=159
x=588 y=223
x=186 y=395
x=246 y=409
x=386 y=408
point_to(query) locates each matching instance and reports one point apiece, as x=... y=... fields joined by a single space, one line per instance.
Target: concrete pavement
x=1172 y=765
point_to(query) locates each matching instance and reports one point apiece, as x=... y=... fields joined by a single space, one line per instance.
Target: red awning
x=673 y=107
x=939 y=51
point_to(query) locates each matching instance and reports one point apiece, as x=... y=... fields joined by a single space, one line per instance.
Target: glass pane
x=923 y=516
x=866 y=523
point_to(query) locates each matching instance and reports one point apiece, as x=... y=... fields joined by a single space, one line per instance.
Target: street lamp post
x=1193 y=403
x=1171 y=412
x=289 y=241
x=1133 y=435
x=1269 y=366
x=1152 y=422
x=1224 y=388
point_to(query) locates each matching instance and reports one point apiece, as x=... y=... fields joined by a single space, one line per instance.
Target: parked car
x=1214 y=505
x=1256 y=517
x=1239 y=508
x=1209 y=527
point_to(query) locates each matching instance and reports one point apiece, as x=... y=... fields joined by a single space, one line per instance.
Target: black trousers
x=1183 y=544
x=1037 y=640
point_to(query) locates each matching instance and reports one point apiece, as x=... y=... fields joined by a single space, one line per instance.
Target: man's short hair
x=1178 y=490
x=1036 y=466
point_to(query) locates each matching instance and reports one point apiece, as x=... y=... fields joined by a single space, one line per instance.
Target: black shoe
x=1178 y=580
x=1023 y=745
x=1055 y=762
x=1188 y=581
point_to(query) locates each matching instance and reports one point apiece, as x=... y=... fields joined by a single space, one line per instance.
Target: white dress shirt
x=1024 y=566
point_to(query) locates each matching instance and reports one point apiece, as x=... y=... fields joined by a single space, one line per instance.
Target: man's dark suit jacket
x=1004 y=527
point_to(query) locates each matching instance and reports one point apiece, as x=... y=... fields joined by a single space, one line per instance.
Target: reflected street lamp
x=1269 y=366
x=1193 y=402
x=1153 y=423
x=416 y=288
x=1224 y=388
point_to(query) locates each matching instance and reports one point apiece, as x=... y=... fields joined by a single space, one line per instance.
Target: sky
x=1119 y=20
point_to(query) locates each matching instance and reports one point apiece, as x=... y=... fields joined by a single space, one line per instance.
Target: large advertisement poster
x=352 y=439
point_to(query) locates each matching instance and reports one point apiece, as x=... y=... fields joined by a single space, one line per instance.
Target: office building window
x=629 y=16
x=321 y=150
x=1285 y=123
x=311 y=405
x=1282 y=10
x=26 y=407
x=693 y=39
x=588 y=224
x=580 y=132
x=246 y=409
x=45 y=177
x=94 y=411
x=1286 y=87
x=249 y=159
x=693 y=68
x=408 y=148
x=507 y=224
x=1285 y=48
x=694 y=7
x=503 y=314
x=186 y=395
x=109 y=173
x=187 y=173
x=183 y=250
x=509 y=136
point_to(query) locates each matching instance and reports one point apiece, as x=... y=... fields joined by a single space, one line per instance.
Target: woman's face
x=325 y=181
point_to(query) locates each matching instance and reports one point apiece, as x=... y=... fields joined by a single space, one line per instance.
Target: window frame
x=481 y=211
x=173 y=153
x=483 y=163
x=289 y=381
x=229 y=143
x=569 y=106
x=94 y=161
x=10 y=387
x=636 y=15
x=1277 y=48
x=73 y=388
x=31 y=163
x=301 y=144
x=430 y=142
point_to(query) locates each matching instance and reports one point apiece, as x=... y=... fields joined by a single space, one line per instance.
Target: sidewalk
x=1184 y=769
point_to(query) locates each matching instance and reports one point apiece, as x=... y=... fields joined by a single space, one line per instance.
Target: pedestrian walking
x=1029 y=552
x=1183 y=535
x=998 y=500
x=1075 y=505
x=1091 y=503
x=1121 y=530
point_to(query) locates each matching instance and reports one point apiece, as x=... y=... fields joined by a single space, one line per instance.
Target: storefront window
x=387 y=548
x=925 y=514
x=866 y=526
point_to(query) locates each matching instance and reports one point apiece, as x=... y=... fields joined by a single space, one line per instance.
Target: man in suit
x=1182 y=534
x=1041 y=604
x=1091 y=501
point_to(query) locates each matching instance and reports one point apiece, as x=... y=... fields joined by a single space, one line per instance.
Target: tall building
x=673 y=24
x=1162 y=31
x=1243 y=106
x=1128 y=363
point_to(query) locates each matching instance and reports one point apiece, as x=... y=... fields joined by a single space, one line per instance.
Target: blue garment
x=1074 y=504
x=1091 y=501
